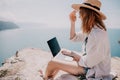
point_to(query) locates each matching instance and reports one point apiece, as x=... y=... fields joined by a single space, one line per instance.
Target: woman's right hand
x=75 y=56
x=66 y=52
x=73 y=16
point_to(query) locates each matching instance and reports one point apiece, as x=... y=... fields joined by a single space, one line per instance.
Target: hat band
x=92 y=6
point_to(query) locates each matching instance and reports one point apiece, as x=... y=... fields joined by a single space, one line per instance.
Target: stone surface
x=26 y=63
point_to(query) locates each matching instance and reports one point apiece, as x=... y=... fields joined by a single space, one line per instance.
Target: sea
x=37 y=37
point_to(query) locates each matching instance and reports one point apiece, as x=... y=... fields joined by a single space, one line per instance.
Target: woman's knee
x=51 y=62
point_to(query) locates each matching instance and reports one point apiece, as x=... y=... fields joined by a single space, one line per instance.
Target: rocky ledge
x=26 y=63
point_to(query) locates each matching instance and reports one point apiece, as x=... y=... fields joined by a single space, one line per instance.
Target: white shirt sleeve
x=78 y=37
x=94 y=50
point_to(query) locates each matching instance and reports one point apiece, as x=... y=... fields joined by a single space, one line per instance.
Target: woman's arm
x=72 y=20
x=76 y=37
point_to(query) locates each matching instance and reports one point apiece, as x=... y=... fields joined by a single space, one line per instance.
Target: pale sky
x=53 y=12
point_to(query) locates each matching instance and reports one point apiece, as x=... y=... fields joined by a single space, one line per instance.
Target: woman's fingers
x=63 y=51
x=66 y=52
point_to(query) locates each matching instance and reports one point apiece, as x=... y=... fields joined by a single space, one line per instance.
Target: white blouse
x=98 y=56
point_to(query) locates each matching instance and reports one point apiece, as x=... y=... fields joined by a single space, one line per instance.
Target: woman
x=95 y=63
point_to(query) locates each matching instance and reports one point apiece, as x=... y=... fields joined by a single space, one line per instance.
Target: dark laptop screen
x=54 y=46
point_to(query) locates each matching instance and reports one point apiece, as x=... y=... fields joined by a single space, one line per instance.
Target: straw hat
x=91 y=4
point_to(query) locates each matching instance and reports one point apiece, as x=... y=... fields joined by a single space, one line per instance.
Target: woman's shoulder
x=98 y=33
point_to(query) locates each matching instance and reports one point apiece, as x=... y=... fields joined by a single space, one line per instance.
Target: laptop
x=56 y=50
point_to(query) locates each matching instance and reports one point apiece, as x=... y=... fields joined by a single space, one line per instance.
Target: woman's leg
x=55 y=65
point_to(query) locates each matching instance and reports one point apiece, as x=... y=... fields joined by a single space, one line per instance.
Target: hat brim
x=77 y=6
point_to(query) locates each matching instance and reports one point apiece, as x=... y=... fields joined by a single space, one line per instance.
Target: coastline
x=26 y=63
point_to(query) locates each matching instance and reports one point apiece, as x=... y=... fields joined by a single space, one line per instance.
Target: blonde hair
x=89 y=19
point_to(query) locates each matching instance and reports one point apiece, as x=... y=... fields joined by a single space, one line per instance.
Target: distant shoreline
x=9 y=29
x=6 y=25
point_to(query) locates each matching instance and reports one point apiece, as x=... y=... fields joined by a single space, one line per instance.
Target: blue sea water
x=17 y=39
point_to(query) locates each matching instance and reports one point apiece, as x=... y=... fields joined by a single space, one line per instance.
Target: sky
x=53 y=13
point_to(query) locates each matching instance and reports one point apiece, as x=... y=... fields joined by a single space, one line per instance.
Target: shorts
x=85 y=70
x=83 y=76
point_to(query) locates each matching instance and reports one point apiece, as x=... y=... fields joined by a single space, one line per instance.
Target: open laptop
x=56 y=50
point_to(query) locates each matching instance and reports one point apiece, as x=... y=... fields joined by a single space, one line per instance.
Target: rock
x=119 y=41
x=3 y=73
x=116 y=66
x=28 y=62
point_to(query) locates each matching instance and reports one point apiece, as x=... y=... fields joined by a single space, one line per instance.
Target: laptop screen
x=54 y=46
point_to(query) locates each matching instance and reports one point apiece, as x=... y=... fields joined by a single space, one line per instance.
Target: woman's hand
x=75 y=56
x=73 y=16
x=66 y=52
